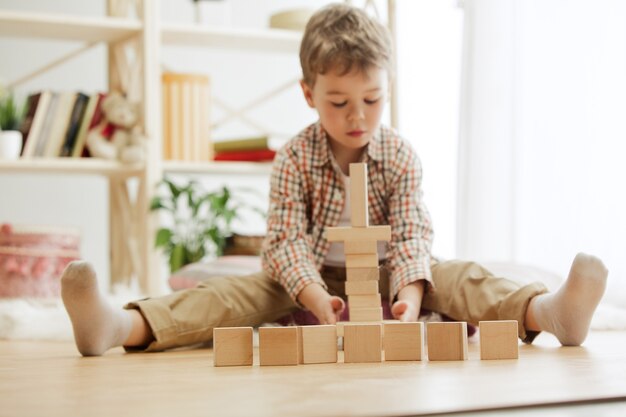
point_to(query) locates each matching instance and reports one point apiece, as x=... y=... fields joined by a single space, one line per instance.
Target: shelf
x=269 y=40
x=236 y=168
x=72 y=166
x=66 y=27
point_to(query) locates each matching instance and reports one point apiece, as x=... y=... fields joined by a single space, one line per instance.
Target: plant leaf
x=177 y=257
x=163 y=237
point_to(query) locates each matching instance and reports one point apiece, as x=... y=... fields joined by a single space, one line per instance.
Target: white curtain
x=542 y=149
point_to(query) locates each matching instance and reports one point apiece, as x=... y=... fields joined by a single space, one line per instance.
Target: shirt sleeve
x=411 y=227
x=287 y=254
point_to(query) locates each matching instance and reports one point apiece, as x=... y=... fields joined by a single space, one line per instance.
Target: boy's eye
x=371 y=101
x=339 y=105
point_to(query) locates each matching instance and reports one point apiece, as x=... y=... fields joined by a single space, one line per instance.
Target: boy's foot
x=567 y=313
x=97 y=326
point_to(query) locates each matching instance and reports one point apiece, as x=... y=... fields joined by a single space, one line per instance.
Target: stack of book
x=56 y=123
x=186 y=130
x=254 y=149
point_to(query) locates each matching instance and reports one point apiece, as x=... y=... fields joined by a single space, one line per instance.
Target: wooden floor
x=51 y=379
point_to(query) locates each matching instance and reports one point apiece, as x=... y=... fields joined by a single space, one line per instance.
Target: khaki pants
x=464 y=291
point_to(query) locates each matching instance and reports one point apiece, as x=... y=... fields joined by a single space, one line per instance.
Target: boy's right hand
x=325 y=307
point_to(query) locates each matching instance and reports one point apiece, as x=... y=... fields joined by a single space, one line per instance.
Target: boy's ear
x=308 y=93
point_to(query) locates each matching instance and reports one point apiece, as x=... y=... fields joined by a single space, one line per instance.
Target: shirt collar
x=322 y=151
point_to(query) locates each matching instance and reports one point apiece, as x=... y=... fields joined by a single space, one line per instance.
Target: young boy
x=347 y=63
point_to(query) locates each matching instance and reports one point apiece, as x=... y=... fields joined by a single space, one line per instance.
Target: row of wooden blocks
x=362 y=342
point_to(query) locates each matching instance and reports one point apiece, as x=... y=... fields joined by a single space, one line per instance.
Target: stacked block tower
x=360 y=248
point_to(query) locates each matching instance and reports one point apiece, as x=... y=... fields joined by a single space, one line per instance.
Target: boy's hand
x=404 y=311
x=325 y=307
x=407 y=308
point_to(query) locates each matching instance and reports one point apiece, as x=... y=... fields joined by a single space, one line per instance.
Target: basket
x=33 y=258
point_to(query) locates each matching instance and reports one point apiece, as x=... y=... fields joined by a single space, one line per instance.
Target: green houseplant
x=199 y=221
x=10 y=112
x=10 y=120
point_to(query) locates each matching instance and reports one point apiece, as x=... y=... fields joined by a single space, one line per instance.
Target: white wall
x=429 y=49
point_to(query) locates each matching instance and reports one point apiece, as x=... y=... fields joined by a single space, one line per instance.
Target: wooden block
x=366 y=313
x=361 y=287
x=352 y=234
x=278 y=346
x=362 y=274
x=300 y=347
x=498 y=339
x=360 y=247
x=358 y=195
x=232 y=346
x=340 y=325
x=362 y=343
x=403 y=341
x=362 y=261
x=319 y=344
x=447 y=341
x=360 y=301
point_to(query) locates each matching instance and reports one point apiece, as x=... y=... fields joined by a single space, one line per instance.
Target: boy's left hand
x=407 y=308
x=404 y=310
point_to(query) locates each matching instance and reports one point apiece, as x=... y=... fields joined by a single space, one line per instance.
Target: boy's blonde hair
x=342 y=38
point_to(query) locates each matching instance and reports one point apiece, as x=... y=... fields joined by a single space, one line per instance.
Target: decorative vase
x=10 y=144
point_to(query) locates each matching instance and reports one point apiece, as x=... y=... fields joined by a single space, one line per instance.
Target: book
x=31 y=107
x=91 y=118
x=243 y=144
x=76 y=117
x=253 y=155
x=59 y=125
x=47 y=122
x=35 y=128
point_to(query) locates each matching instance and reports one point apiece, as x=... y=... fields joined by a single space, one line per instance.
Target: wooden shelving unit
x=83 y=166
x=132 y=226
x=229 y=168
x=263 y=40
x=67 y=27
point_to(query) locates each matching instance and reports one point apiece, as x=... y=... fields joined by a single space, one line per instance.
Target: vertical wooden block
x=319 y=344
x=278 y=346
x=362 y=274
x=359 y=247
x=362 y=343
x=300 y=346
x=403 y=341
x=447 y=341
x=361 y=287
x=361 y=301
x=362 y=261
x=498 y=339
x=366 y=313
x=358 y=195
x=232 y=346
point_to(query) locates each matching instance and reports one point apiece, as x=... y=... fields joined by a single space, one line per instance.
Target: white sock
x=97 y=326
x=567 y=313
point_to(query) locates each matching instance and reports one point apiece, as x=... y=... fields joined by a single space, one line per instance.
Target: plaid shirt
x=307 y=195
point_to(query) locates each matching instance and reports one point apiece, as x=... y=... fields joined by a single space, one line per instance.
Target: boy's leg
x=182 y=318
x=466 y=291
x=188 y=317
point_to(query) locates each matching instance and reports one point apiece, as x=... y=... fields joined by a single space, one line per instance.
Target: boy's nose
x=356 y=113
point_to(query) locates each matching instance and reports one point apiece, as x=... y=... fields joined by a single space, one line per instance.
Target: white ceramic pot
x=10 y=144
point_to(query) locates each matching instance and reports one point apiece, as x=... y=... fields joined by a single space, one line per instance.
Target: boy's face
x=350 y=106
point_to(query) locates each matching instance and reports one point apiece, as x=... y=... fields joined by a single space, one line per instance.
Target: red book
x=257 y=156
